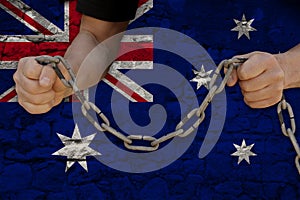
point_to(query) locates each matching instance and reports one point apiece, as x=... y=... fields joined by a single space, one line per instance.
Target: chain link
x=289 y=132
x=297 y=162
x=142 y=148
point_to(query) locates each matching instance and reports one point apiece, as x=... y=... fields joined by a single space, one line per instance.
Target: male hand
x=261 y=79
x=38 y=87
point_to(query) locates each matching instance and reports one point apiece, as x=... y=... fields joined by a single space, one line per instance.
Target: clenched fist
x=38 y=87
x=261 y=79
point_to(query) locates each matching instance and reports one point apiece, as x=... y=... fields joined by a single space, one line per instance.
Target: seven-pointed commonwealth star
x=243 y=27
x=202 y=77
x=243 y=152
x=76 y=149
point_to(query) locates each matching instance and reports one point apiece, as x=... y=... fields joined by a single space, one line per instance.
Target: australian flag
x=28 y=168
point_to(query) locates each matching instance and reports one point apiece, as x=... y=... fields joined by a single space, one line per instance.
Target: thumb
x=232 y=79
x=47 y=77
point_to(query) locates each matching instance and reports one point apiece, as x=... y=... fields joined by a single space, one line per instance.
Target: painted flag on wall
x=28 y=170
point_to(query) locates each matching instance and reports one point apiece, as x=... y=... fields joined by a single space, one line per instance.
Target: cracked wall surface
x=29 y=171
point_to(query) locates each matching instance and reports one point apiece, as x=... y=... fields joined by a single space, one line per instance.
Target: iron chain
x=128 y=140
x=154 y=143
x=289 y=132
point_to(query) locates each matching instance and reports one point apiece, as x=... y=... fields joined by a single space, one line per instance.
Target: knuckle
x=16 y=77
x=27 y=107
x=47 y=107
x=277 y=98
x=57 y=100
x=31 y=69
x=254 y=105
x=33 y=110
x=276 y=89
x=269 y=60
x=21 y=102
x=256 y=55
x=279 y=75
x=22 y=62
x=247 y=97
x=250 y=104
x=18 y=92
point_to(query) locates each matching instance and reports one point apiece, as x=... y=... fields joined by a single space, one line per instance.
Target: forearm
x=290 y=63
x=81 y=46
x=92 y=68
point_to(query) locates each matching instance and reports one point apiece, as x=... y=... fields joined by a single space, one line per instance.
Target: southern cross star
x=243 y=152
x=202 y=77
x=243 y=27
x=76 y=149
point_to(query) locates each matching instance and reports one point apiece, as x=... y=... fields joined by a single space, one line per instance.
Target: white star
x=243 y=27
x=76 y=149
x=243 y=152
x=202 y=77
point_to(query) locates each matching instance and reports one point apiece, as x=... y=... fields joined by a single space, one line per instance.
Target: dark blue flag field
x=168 y=58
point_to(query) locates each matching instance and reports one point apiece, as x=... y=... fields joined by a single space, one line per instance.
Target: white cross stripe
x=143 y=9
x=132 y=65
x=137 y=38
x=130 y=84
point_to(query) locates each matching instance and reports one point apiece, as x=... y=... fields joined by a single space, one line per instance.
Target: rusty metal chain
x=214 y=89
x=128 y=140
x=199 y=112
x=289 y=132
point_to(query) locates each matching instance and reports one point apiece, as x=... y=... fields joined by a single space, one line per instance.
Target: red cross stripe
x=25 y=18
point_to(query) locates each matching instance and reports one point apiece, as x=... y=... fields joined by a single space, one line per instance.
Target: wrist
x=291 y=73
